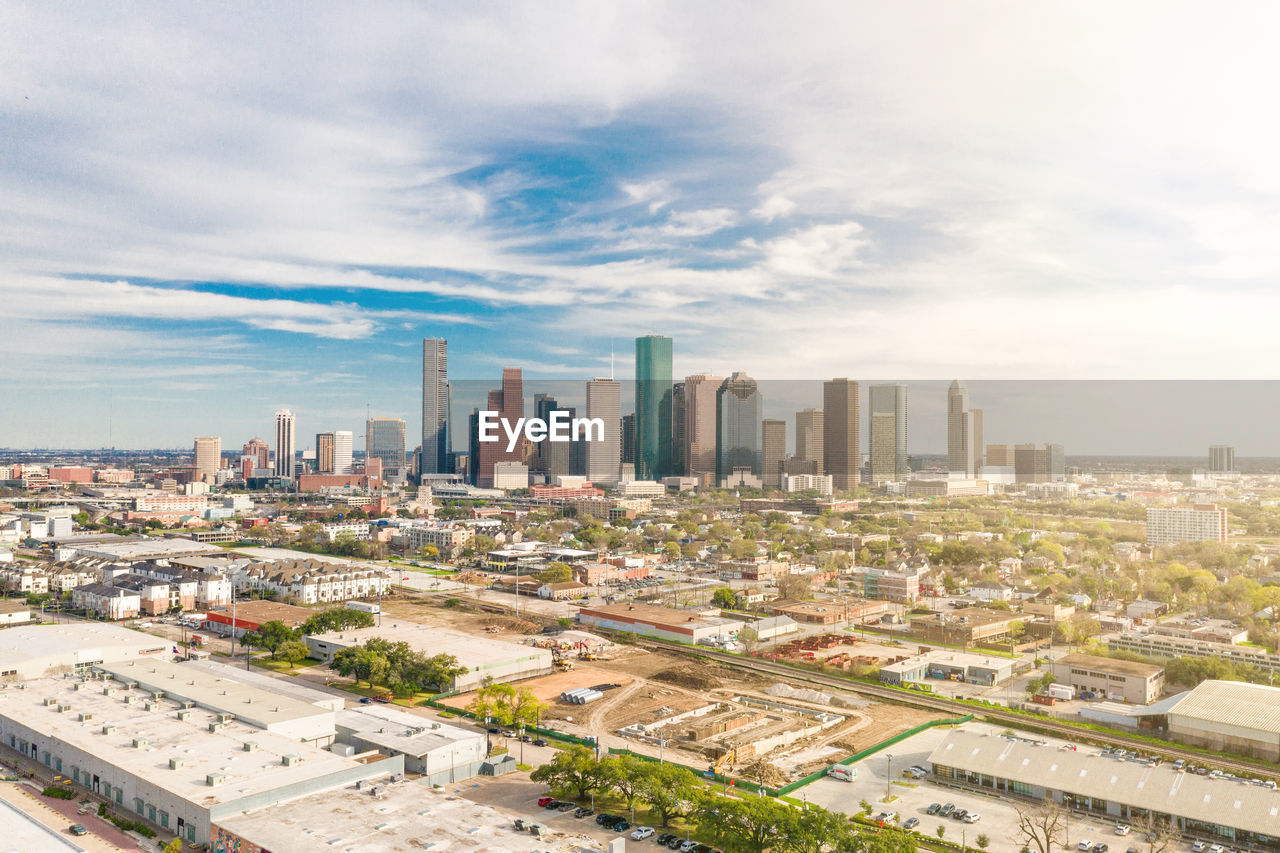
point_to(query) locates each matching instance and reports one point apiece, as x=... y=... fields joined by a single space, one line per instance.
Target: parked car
x=675 y=842
x=1198 y=846
x=1085 y=846
x=622 y=825
x=688 y=847
x=934 y=808
x=1100 y=848
x=1122 y=829
x=972 y=817
x=566 y=806
x=77 y=829
x=662 y=839
x=583 y=811
x=946 y=810
x=640 y=833
x=911 y=823
x=543 y=802
x=539 y=742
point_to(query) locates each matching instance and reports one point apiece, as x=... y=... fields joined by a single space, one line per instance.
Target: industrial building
x=440 y=752
x=1118 y=680
x=153 y=755
x=773 y=627
x=666 y=623
x=965 y=627
x=1125 y=789
x=32 y=651
x=946 y=665
x=1159 y=646
x=1228 y=716
x=486 y=659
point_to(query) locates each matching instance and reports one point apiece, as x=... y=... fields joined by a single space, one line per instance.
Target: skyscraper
x=208 y=453
x=738 y=409
x=435 y=406
x=841 y=453
x=773 y=452
x=343 y=450
x=285 y=447
x=384 y=439
x=700 y=391
x=888 y=433
x=653 y=407
x=629 y=439
x=1039 y=463
x=1222 y=459
x=964 y=433
x=679 y=442
x=508 y=402
x=809 y=437
x=604 y=458
x=258 y=451
x=324 y=453
x=553 y=457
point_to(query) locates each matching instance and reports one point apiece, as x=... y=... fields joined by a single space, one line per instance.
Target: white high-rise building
x=285 y=443
x=435 y=406
x=604 y=458
x=343 y=444
x=964 y=433
x=1195 y=523
x=208 y=453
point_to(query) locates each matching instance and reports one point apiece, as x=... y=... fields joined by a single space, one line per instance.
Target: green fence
x=872 y=750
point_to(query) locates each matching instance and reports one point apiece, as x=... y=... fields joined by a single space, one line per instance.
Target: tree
x=174 y=846
x=270 y=636
x=293 y=651
x=724 y=597
x=336 y=619
x=555 y=573
x=672 y=550
x=574 y=769
x=622 y=773
x=362 y=664
x=1041 y=827
x=816 y=830
x=750 y=825
x=669 y=788
x=794 y=587
x=983 y=841
x=941 y=831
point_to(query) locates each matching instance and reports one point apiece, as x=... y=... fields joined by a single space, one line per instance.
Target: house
x=563 y=591
x=1009 y=566
x=991 y=591
x=107 y=601
x=1146 y=609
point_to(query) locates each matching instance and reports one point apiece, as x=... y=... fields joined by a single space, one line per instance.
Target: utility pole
x=888 y=778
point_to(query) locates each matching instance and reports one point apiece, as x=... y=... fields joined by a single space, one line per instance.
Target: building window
x=164 y=819
x=138 y=804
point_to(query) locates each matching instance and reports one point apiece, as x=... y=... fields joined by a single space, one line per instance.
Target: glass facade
x=654 y=388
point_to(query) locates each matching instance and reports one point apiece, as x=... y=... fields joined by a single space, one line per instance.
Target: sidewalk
x=57 y=815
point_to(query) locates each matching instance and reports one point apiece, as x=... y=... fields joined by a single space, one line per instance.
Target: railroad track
x=951 y=707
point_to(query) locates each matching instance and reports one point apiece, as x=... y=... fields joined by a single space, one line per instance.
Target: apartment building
x=312 y=581
x=1158 y=646
x=1195 y=523
x=448 y=540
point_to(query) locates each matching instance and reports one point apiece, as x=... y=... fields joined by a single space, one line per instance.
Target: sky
x=210 y=212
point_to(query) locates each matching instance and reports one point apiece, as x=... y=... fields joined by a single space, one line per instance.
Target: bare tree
x=1041 y=827
x=1157 y=834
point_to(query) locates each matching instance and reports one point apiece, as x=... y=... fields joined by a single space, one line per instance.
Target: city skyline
x=321 y=210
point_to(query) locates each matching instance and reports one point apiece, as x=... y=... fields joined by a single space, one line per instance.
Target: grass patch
x=283 y=665
x=525 y=767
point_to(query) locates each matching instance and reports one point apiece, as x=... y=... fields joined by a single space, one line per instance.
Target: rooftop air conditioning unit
x=290 y=760
x=139 y=742
x=214 y=779
x=250 y=746
x=176 y=763
x=108 y=730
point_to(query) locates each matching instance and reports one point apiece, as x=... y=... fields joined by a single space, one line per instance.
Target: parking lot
x=999 y=817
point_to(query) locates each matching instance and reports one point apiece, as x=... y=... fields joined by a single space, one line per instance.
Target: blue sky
x=207 y=213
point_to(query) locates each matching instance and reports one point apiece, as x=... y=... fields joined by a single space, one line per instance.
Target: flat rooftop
x=222 y=692
x=259 y=611
x=406 y=816
x=74 y=642
x=1123 y=667
x=23 y=832
x=401 y=731
x=948 y=658
x=282 y=685
x=143 y=549
x=245 y=773
x=651 y=613
x=471 y=651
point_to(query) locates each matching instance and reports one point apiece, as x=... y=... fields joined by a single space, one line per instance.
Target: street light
x=888 y=778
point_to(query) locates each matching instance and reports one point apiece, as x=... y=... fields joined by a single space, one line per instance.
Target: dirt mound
x=511 y=623
x=690 y=677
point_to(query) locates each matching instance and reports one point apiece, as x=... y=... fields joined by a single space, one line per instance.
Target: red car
x=542 y=801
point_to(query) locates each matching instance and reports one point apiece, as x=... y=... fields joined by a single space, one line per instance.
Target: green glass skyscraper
x=653 y=407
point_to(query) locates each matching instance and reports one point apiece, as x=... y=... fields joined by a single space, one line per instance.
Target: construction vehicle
x=563 y=665
x=587 y=655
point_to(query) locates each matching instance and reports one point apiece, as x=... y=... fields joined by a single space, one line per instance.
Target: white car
x=640 y=833
x=1085 y=846
x=1122 y=829
x=972 y=817
x=1198 y=847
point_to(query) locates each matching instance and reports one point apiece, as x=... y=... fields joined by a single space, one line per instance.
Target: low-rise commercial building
x=486 y=659
x=563 y=591
x=828 y=611
x=1229 y=716
x=666 y=623
x=252 y=615
x=14 y=612
x=36 y=650
x=946 y=665
x=968 y=626
x=1161 y=647
x=773 y=627
x=436 y=750
x=1118 y=680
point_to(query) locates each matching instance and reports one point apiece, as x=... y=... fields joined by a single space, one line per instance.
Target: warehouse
x=440 y=752
x=666 y=623
x=1117 y=680
x=30 y=651
x=252 y=615
x=947 y=665
x=1126 y=789
x=1229 y=716
x=485 y=658
x=156 y=758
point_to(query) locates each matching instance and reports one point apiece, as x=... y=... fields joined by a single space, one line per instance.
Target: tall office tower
x=604 y=458
x=473 y=445
x=629 y=439
x=384 y=439
x=809 y=436
x=700 y=391
x=679 y=443
x=773 y=451
x=343 y=450
x=1222 y=459
x=208 y=453
x=888 y=433
x=964 y=432
x=285 y=447
x=509 y=404
x=553 y=458
x=738 y=409
x=1039 y=463
x=258 y=451
x=324 y=453
x=1000 y=455
x=653 y=407
x=435 y=406
x=841 y=454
